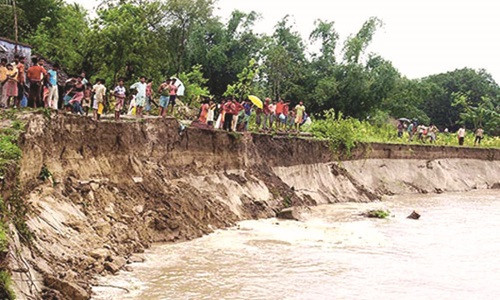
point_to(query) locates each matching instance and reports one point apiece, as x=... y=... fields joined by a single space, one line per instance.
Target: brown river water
x=452 y=252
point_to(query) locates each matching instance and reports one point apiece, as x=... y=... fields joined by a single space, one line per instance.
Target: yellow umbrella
x=256 y=101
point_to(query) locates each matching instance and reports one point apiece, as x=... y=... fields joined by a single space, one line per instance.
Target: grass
x=344 y=133
x=378 y=214
x=6 y=291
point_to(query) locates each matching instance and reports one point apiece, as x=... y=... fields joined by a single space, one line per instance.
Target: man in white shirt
x=140 y=97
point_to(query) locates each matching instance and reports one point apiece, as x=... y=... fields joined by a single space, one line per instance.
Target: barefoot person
x=164 y=91
x=140 y=97
x=100 y=93
x=119 y=94
x=300 y=109
x=173 y=95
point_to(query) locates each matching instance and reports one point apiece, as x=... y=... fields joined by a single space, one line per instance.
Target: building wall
x=9 y=46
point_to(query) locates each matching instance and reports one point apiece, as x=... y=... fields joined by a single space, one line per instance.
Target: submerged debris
x=414 y=215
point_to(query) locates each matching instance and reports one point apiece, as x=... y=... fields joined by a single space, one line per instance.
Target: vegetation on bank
x=12 y=209
x=213 y=57
x=344 y=133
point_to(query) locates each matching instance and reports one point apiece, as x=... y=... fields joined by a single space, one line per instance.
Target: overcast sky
x=420 y=37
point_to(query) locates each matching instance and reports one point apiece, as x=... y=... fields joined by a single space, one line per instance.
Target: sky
x=420 y=37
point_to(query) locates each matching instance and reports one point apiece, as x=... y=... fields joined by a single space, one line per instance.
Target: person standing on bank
x=461 y=135
x=140 y=98
x=164 y=91
x=21 y=80
x=53 y=89
x=120 y=94
x=35 y=75
x=173 y=95
x=479 y=136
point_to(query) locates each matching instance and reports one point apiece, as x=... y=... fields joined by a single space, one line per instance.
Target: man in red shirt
x=279 y=111
x=35 y=75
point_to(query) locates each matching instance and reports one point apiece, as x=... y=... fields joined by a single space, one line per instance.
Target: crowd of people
x=424 y=133
x=39 y=86
x=233 y=115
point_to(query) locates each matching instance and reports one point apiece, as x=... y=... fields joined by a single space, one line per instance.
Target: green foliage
x=484 y=114
x=6 y=291
x=287 y=201
x=4 y=243
x=66 y=40
x=378 y=214
x=160 y=38
x=356 y=45
x=243 y=87
x=9 y=151
x=195 y=85
x=44 y=173
x=444 y=88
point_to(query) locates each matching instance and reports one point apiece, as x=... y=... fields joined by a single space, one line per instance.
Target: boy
x=164 y=91
x=119 y=93
x=100 y=93
x=53 y=97
x=173 y=95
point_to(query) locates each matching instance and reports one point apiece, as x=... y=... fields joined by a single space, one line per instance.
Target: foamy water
x=451 y=252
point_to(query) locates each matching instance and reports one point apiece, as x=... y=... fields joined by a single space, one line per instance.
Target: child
x=120 y=94
x=211 y=113
x=79 y=90
x=87 y=98
x=132 y=106
x=99 y=97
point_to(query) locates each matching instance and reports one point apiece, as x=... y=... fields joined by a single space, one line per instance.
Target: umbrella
x=256 y=101
x=181 y=88
x=404 y=120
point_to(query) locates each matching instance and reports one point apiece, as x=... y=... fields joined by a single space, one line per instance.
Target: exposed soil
x=116 y=188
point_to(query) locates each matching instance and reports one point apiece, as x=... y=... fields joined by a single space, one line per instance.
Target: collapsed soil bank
x=118 y=187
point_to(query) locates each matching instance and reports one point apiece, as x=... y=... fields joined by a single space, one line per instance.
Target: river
x=452 y=252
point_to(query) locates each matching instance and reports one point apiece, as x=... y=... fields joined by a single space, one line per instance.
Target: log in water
x=334 y=253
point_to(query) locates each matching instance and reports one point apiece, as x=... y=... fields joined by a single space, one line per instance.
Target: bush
x=6 y=291
x=378 y=214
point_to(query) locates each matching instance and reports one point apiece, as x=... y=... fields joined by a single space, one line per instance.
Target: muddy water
x=452 y=252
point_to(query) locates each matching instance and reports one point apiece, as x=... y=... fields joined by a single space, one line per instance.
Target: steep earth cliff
x=112 y=189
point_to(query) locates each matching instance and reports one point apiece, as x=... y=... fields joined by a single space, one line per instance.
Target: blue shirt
x=53 y=77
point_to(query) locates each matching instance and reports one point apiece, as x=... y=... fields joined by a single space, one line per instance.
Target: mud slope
x=118 y=187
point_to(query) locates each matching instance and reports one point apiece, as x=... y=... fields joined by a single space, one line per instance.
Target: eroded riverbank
x=116 y=188
x=449 y=253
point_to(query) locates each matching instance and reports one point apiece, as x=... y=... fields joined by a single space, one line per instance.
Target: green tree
x=285 y=62
x=65 y=41
x=246 y=82
x=195 y=85
x=484 y=114
x=226 y=48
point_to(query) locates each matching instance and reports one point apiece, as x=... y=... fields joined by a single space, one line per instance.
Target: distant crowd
x=39 y=87
x=429 y=133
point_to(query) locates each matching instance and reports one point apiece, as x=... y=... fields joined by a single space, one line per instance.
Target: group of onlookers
x=233 y=115
x=424 y=133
